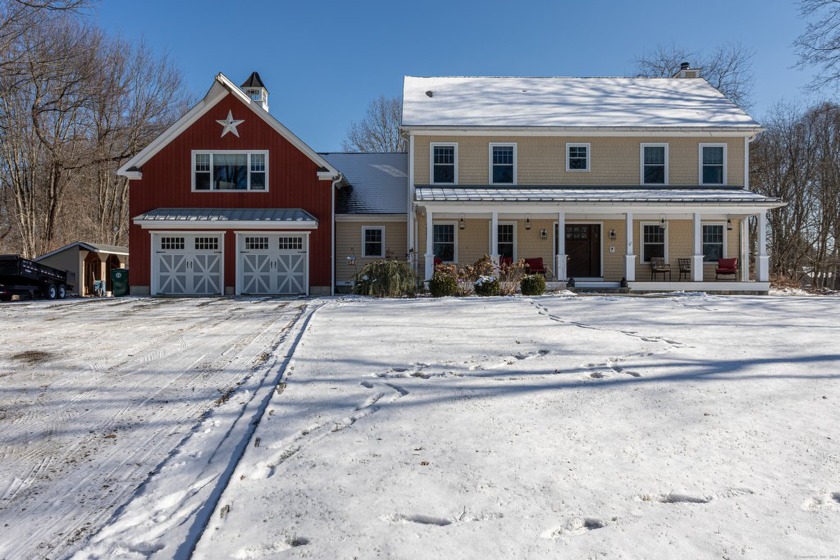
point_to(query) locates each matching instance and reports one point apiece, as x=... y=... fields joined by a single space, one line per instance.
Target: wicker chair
x=685 y=268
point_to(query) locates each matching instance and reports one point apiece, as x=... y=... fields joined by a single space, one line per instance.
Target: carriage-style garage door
x=187 y=264
x=272 y=263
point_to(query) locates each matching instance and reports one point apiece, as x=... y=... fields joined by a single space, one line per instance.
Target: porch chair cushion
x=535 y=266
x=726 y=267
x=505 y=261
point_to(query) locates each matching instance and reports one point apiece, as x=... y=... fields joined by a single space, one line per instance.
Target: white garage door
x=272 y=264
x=187 y=264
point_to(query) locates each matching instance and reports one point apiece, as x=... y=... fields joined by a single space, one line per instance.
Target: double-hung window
x=654 y=241
x=506 y=240
x=577 y=157
x=443 y=242
x=373 y=241
x=230 y=171
x=713 y=242
x=712 y=164
x=503 y=164
x=444 y=163
x=654 y=164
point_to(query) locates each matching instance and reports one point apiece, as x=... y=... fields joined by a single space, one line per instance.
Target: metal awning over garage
x=215 y=218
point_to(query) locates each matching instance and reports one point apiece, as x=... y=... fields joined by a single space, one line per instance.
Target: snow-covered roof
x=694 y=195
x=377 y=182
x=608 y=103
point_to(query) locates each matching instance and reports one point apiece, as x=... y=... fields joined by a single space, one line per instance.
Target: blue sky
x=324 y=61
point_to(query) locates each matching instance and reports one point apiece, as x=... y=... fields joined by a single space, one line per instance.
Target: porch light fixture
x=662 y=224
x=528 y=223
x=728 y=224
x=461 y=223
x=543 y=234
x=612 y=234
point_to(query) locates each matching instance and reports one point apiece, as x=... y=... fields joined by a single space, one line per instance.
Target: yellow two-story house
x=601 y=178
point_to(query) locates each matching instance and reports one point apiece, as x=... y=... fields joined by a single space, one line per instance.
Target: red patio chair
x=726 y=267
x=535 y=266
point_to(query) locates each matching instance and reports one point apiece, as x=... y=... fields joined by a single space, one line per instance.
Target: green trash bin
x=119 y=281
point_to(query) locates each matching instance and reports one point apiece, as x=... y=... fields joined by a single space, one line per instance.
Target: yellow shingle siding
x=348 y=242
x=614 y=161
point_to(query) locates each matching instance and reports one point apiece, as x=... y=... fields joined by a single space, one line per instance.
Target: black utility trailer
x=19 y=276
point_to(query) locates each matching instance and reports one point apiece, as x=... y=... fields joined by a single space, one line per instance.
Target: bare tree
x=819 y=44
x=379 y=131
x=728 y=67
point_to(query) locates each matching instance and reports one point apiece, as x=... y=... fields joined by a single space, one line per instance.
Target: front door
x=583 y=247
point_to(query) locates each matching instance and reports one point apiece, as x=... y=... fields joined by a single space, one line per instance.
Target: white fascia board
x=591 y=208
x=371 y=218
x=221 y=87
x=653 y=132
x=215 y=225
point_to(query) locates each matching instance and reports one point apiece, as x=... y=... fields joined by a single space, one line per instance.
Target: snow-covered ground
x=554 y=427
x=686 y=426
x=99 y=399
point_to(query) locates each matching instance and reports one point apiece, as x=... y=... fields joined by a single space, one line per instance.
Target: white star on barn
x=230 y=124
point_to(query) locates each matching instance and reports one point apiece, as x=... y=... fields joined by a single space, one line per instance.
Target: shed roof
x=378 y=182
x=87 y=246
x=268 y=215
x=492 y=102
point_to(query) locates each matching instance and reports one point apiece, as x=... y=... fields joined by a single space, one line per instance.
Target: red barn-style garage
x=229 y=201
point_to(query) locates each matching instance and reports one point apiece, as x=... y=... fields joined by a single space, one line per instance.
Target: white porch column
x=629 y=255
x=745 y=250
x=494 y=238
x=697 y=256
x=430 y=255
x=560 y=271
x=762 y=268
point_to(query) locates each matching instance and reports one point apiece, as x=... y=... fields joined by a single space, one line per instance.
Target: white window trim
x=454 y=237
x=700 y=162
x=490 y=162
x=432 y=146
x=515 y=237
x=588 y=156
x=642 y=147
x=725 y=241
x=642 y=240
x=211 y=189
x=365 y=229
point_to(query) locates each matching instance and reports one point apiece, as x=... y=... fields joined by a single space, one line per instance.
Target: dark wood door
x=583 y=247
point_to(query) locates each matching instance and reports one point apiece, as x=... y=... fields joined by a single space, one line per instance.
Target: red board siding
x=292 y=183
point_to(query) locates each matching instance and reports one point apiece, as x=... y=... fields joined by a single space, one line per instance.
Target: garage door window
x=172 y=243
x=256 y=243
x=207 y=243
x=290 y=243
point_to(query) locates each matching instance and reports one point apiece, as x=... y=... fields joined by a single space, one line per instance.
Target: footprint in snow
x=574 y=526
x=829 y=501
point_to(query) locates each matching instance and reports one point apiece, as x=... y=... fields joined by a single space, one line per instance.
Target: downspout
x=335 y=183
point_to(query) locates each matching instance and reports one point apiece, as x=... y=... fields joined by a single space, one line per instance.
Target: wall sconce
x=528 y=223
x=612 y=234
x=461 y=223
x=728 y=224
x=543 y=234
x=662 y=224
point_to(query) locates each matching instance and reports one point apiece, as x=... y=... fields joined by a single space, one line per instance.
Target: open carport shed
x=88 y=262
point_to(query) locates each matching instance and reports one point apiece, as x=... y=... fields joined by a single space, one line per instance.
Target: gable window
x=503 y=163
x=230 y=171
x=713 y=242
x=506 y=240
x=653 y=242
x=444 y=163
x=373 y=241
x=443 y=243
x=654 y=164
x=577 y=157
x=712 y=164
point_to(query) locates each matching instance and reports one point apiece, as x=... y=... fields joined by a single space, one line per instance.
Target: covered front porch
x=646 y=246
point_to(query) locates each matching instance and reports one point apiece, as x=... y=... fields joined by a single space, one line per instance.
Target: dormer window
x=230 y=171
